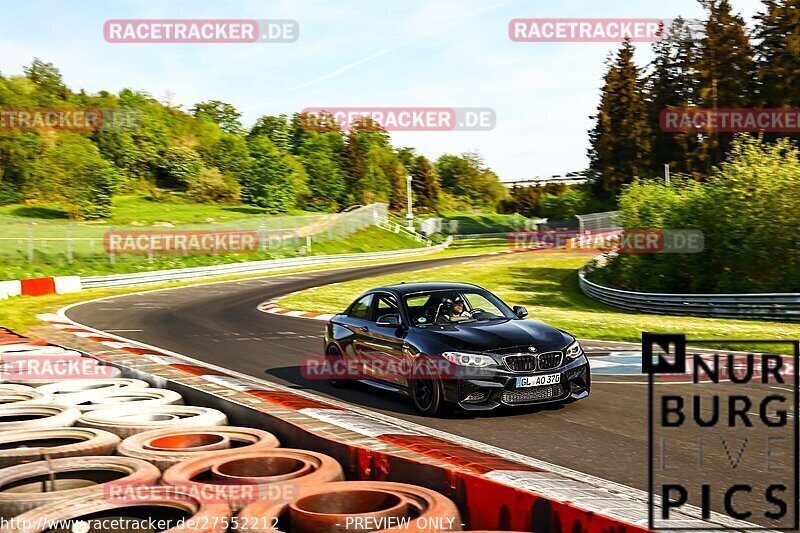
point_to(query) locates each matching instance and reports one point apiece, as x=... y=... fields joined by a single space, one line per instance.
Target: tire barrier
x=161 y=502
x=492 y=492
x=26 y=445
x=128 y=420
x=68 y=391
x=21 y=397
x=239 y=478
x=166 y=447
x=37 y=415
x=354 y=505
x=31 y=485
x=129 y=396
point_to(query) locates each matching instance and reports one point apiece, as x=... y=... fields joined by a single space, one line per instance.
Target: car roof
x=409 y=288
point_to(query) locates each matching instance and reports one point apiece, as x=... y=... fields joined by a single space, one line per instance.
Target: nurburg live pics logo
x=726 y=442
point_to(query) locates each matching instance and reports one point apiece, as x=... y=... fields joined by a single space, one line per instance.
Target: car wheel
x=426 y=388
x=333 y=355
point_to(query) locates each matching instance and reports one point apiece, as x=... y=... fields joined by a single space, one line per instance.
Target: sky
x=360 y=53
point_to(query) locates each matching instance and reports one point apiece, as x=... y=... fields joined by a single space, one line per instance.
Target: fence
x=478 y=224
x=599 y=221
x=770 y=306
x=84 y=242
x=183 y=274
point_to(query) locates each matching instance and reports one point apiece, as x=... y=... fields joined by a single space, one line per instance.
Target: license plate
x=538 y=381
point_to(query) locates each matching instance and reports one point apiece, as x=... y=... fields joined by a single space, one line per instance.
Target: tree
x=726 y=75
x=620 y=140
x=48 y=78
x=425 y=183
x=467 y=177
x=224 y=115
x=277 y=181
x=321 y=158
x=365 y=145
x=778 y=56
x=74 y=172
x=673 y=84
x=229 y=154
x=276 y=128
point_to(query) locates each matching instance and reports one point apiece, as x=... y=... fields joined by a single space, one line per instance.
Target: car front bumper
x=488 y=388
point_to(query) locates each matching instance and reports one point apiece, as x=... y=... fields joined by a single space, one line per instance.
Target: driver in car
x=457 y=310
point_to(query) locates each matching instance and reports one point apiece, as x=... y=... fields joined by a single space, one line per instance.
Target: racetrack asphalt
x=605 y=435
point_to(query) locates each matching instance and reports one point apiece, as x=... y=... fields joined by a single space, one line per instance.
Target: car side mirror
x=389 y=321
x=520 y=311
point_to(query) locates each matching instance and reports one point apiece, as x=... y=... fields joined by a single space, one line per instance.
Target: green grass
x=369 y=239
x=546 y=283
x=141 y=209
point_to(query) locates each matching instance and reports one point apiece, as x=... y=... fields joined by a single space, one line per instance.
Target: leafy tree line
x=554 y=201
x=716 y=63
x=281 y=163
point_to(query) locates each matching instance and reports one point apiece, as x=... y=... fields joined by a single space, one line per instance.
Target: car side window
x=361 y=308
x=385 y=304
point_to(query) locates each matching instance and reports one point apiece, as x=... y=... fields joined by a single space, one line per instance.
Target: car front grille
x=533 y=362
x=521 y=363
x=533 y=394
x=549 y=360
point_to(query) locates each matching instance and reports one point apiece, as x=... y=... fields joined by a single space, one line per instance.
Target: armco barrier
x=770 y=306
x=493 y=491
x=183 y=274
x=65 y=284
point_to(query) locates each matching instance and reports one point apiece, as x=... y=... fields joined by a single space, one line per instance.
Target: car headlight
x=469 y=359
x=573 y=351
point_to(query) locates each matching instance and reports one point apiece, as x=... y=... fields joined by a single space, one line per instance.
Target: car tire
x=426 y=387
x=331 y=354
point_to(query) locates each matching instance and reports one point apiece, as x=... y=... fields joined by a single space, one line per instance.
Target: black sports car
x=453 y=345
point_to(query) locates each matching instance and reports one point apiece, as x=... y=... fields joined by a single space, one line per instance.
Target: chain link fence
x=46 y=242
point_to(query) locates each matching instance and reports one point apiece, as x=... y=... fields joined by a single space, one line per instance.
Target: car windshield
x=440 y=307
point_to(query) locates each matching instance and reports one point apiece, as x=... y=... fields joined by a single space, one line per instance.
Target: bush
x=748 y=213
x=211 y=186
x=73 y=171
x=179 y=167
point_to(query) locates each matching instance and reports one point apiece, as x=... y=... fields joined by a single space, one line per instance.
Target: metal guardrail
x=184 y=274
x=771 y=306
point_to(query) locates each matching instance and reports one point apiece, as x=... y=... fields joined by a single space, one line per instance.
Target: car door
x=382 y=350
x=358 y=322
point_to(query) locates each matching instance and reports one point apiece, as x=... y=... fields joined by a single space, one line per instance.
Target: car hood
x=497 y=335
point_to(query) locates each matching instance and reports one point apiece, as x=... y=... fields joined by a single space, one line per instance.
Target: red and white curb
x=272 y=307
x=579 y=490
